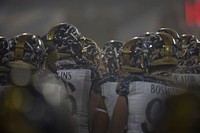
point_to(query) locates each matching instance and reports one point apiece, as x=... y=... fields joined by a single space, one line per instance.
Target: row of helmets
x=163 y=47
x=31 y=51
x=155 y=49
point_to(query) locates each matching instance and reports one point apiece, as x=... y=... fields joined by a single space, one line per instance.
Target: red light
x=189 y=16
x=192 y=12
x=197 y=12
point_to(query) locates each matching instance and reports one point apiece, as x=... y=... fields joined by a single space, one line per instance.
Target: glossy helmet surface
x=4 y=54
x=192 y=54
x=187 y=42
x=113 y=55
x=177 y=45
x=67 y=40
x=161 y=50
x=171 y=32
x=27 y=51
x=91 y=50
x=134 y=55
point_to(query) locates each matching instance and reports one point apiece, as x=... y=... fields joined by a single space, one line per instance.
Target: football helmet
x=187 y=42
x=4 y=54
x=171 y=32
x=133 y=52
x=27 y=51
x=67 y=40
x=161 y=50
x=91 y=50
x=177 y=47
x=113 y=55
x=192 y=54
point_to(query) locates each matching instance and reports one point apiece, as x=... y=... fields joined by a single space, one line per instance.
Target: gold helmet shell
x=132 y=58
x=170 y=31
x=162 y=51
x=186 y=39
x=27 y=51
x=67 y=40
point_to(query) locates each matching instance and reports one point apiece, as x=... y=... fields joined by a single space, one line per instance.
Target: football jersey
x=80 y=76
x=108 y=90
x=145 y=97
x=188 y=76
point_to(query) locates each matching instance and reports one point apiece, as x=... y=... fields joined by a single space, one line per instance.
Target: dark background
x=101 y=20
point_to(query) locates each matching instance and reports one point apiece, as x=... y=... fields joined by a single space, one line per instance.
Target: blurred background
x=101 y=20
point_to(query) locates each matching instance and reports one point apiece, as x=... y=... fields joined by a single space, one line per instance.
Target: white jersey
x=108 y=91
x=187 y=79
x=54 y=90
x=144 y=99
x=80 y=79
x=187 y=76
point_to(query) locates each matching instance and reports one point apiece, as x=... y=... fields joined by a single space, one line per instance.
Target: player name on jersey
x=81 y=82
x=74 y=74
x=187 y=79
x=145 y=101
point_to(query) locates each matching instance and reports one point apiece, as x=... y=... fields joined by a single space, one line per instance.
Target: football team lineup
x=65 y=82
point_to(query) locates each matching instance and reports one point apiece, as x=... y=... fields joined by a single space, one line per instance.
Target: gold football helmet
x=27 y=51
x=171 y=32
x=191 y=50
x=161 y=50
x=91 y=50
x=186 y=40
x=132 y=55
x=67 y=39
x=177 y=46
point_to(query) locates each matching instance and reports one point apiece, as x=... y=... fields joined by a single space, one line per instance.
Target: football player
x=107 y=93
x=30 y=107
x=74 y=68
x=141 y=99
